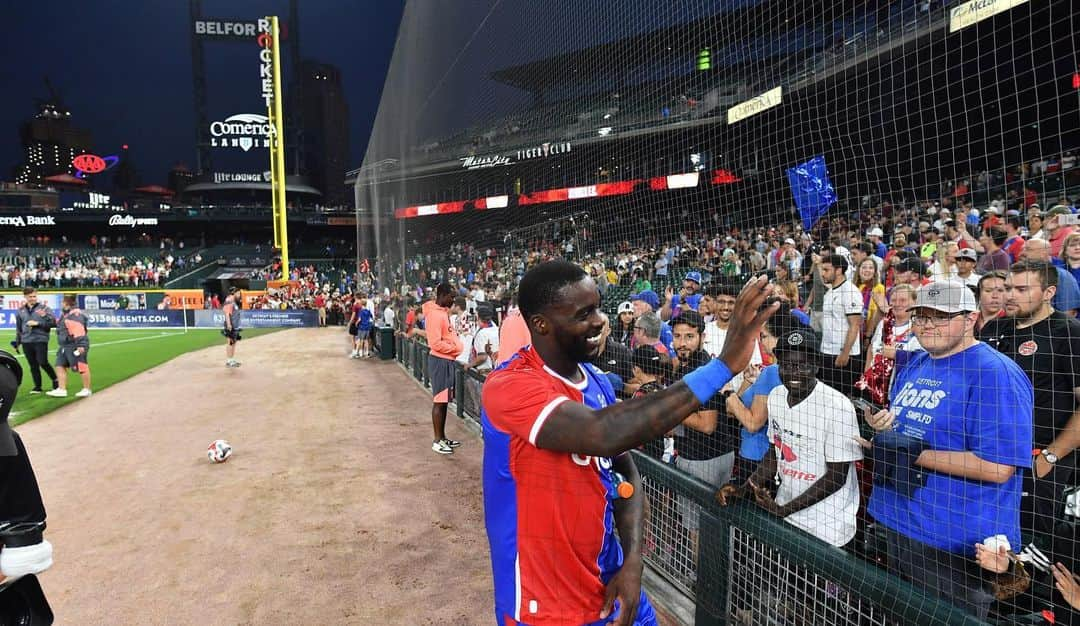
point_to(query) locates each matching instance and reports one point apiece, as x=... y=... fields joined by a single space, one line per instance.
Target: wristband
x=705 y=381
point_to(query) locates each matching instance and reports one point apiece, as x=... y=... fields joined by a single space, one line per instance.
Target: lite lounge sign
x=243 y=130
x=22 y=221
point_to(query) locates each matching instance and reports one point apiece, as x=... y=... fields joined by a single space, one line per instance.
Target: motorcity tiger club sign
x=243 y=130
x=541 y=151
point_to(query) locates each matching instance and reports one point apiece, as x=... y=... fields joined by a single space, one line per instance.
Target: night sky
x=123 y=68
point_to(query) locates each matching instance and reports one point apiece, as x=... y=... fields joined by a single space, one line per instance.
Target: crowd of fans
x=67 y=267
x=861 y=316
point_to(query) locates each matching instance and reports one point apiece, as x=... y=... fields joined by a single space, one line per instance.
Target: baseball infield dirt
x=333 y=509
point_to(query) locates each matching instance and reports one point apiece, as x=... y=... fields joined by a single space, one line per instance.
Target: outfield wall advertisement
x=111 y=301
x=260 y=318
x=174 y=318
x=135 y=319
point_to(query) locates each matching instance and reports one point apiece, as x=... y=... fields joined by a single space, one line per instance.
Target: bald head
x=1036 y=250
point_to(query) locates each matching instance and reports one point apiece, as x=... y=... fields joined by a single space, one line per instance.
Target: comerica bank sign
x=243 y=130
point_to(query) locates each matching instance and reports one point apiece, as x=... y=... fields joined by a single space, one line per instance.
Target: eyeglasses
x=799 y=366
x=935 y=320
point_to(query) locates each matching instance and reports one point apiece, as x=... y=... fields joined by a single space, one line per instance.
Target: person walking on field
x=74 y=348
x=445 y=347
x=231 y=309
x=33 y=322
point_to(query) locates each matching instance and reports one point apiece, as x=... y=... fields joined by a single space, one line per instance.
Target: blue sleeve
x=768 y=380
x=666 y=337
x=1068 y=292
x=803 y=318
x=998 y=422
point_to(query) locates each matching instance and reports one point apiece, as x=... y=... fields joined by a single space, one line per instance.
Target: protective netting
x=903 y=172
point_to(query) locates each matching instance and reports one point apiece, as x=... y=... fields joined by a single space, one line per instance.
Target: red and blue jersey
x=549 y=515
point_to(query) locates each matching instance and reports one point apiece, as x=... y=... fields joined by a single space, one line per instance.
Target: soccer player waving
x=554 y=452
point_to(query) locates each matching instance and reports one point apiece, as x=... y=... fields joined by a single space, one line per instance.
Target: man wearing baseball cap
x=1055 y=231
x=689 y=297
x=645 y=302
x=958 y=430
x=813 y=433
x=965 y=267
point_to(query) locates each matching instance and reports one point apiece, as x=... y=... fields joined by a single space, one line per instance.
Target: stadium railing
x=749 y=568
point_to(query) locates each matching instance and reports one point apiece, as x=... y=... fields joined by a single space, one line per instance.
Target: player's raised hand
x=746 y=320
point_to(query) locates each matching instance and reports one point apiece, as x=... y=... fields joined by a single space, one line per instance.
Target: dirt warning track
x=333 y=509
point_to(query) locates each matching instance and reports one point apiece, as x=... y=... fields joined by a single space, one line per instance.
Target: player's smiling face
x=576 y=321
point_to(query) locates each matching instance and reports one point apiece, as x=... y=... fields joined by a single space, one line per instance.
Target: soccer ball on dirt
x=219 y=451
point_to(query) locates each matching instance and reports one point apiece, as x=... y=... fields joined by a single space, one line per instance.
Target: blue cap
x=694 y=276
x=649 y=297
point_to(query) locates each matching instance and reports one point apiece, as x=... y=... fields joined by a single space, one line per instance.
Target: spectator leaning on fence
x=814 y=433
x=947 y=453
x=1046 y=345
x=706 y=446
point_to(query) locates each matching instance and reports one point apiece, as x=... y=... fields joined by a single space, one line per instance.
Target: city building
x=50 y=142
x=325 y=133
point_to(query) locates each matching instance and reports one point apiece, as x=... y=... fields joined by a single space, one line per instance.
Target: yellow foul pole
x=277 y=144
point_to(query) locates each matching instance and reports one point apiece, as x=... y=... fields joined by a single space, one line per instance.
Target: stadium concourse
x=327 y=511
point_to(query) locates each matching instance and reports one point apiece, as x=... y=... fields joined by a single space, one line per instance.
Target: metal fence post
x=714 y=560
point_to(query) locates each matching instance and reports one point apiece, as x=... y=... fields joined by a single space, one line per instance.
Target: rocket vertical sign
x=266 y=43
x=270 y=85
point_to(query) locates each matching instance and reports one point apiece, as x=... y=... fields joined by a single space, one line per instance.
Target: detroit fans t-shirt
x=549 y=515
x=978 y=401
x=819 y=430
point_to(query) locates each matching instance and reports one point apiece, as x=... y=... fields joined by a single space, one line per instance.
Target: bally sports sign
x=132 y=222
x=243 y=130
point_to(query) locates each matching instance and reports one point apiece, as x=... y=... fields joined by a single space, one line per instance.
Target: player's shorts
x=646 y=615
x=441 y=372
x=232 y=335
x=363 y=333
x=65 y=357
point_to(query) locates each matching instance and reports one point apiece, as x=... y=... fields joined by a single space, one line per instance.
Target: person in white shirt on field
x=813 y=432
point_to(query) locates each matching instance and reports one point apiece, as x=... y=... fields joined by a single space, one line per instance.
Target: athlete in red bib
x=555 y=443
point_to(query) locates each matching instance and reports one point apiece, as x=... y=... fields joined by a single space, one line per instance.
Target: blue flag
x=813 y=192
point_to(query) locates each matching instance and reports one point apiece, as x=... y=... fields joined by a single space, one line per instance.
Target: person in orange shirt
x=445 y=346
x=513 y=334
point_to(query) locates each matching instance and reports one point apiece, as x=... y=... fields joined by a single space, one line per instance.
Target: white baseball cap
x=947 y=296
x=625 y=307
x=875 y=232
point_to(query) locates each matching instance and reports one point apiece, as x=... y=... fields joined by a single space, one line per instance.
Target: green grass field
x=115 y=355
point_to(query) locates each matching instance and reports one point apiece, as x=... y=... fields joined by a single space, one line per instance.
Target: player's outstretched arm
x=574 y=427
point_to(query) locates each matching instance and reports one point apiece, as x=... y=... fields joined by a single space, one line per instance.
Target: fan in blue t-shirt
x=947 y=466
